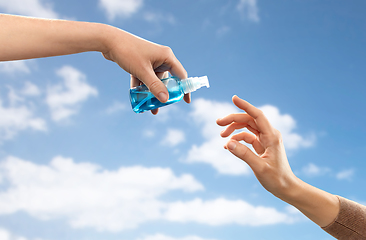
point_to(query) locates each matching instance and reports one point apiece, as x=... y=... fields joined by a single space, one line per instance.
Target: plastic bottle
x=143 y=100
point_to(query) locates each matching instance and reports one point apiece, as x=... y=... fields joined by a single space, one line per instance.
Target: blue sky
x=77 y=163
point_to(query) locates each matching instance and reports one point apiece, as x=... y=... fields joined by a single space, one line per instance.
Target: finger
x=250 y=139
x=231 y=128
x=234 y=126
x=177 y=69
x=244 y=153
x=234 y=117
x=134 y=82
x=155 y=86
x=173 y=65
x=155 y=111
x=160 y=75
x=187 y=98
x=255 y=131
x=239 y=118
x=261 y=121
x=170 y=63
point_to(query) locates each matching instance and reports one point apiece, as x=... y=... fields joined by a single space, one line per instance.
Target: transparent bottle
x=143 y=100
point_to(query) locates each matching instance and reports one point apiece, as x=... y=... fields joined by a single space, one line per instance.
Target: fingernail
x=163 y=97
x=231 y=145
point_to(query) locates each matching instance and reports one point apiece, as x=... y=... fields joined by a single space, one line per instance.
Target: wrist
x=292 y=191
x=113 y=41
x=101 y=36
x=319 y=206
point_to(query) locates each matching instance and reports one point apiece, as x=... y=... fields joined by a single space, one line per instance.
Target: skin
x=270 y=164
x=26 y=38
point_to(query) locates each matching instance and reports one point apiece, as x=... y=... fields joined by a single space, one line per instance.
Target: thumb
x=155 y=86
x=244 y=153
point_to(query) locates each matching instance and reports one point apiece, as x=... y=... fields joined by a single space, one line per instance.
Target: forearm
x=25 y=38
x=319 y=206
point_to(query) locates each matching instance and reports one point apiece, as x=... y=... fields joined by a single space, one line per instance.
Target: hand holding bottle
x=26 y=38
x=146 y=61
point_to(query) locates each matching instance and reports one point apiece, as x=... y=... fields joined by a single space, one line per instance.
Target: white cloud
x=33 y=8
x=127 y=8
x=213 y=153
x=159 y=17
x=17 y=97
x=248 y=9
x=86 y=195
x=286 y=125
x=313 y=170
x=205 y=113
x=149 y=133
x=15 y=118
x=222 y=31
x=64 y=99
x=115 y=107
x=292 y=210
x=222 y=211
x=14 y=97
x=13 y=67
x=345 y=174
x=120 y=8
x=173 y=137
x=165 y=237
x=6 y=235
x=166 y=112
x=30 y=90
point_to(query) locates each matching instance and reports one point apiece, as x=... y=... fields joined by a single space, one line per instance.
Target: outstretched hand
x=269 y=163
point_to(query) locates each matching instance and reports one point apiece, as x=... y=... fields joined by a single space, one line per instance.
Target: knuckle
x=185 y=73
x=278 y=134
x=167 y=50
x=244 y=153
x=276 y=137
x=264 y=169
x=261 y=114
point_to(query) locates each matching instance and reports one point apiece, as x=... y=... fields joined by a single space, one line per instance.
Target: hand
x=145 y=61
x=270 y=164
x=26 y=38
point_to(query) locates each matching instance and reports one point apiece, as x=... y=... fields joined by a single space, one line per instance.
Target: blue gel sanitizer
x=143 y=100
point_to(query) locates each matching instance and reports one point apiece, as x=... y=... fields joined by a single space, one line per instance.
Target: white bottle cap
x=193 y=83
